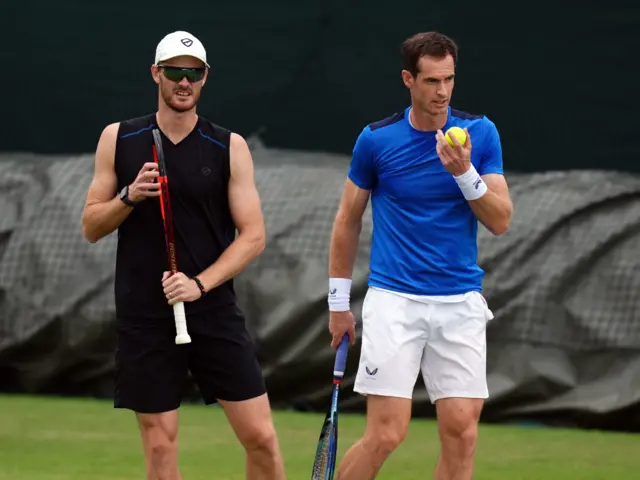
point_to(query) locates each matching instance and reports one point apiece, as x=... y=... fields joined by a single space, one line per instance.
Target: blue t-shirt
x=424 y=231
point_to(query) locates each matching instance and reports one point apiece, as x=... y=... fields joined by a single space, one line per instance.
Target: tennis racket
x=325 y=461
x=182 y=336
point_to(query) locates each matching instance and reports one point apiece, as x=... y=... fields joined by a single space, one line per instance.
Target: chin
x=181 y=106
x=440 y=110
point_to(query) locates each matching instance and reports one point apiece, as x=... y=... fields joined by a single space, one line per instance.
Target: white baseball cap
x=180 y=43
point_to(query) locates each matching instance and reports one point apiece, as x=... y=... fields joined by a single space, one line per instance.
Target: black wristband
x=203 y=292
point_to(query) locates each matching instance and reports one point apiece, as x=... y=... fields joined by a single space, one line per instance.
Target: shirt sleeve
x=491 y=161
x=362 y=170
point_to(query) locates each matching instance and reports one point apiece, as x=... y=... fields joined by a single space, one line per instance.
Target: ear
x=155 y=73
x=206 y=75
x=407 y=78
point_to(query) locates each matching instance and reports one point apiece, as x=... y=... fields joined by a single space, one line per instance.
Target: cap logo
x=187 y=42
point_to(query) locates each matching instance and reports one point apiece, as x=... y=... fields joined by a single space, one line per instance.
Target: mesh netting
x=566 y=274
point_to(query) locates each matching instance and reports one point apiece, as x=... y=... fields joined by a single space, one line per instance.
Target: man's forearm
x=493 y=211
x=100 y=219
x=242 y=251
x=343 y=249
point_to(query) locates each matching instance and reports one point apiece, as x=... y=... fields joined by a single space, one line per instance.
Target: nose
x=442 y=92
x=184 y=82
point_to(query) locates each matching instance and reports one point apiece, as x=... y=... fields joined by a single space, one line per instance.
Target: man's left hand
x=457 y=158
x=179 y=288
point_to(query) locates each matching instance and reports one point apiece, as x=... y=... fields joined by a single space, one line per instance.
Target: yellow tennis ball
x=459 y=133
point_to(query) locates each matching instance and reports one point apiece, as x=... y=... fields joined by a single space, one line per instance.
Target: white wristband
x=471 y=184
x=339 y=293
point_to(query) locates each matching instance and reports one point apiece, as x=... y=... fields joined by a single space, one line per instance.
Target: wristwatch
x=124 y=196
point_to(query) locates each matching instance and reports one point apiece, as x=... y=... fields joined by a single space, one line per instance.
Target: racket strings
x=323 y=454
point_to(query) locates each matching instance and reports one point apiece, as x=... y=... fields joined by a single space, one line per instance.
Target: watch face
x=123 y=192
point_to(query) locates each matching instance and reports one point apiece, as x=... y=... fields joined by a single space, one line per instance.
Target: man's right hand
x=339 y=324
x=144 y=186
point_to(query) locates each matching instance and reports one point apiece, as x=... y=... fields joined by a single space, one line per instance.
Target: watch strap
x=124 y=196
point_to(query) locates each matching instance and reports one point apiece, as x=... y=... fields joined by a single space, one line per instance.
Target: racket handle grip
x=182 y=336
x=341 y=357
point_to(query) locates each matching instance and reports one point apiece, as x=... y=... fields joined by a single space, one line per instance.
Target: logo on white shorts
x=371 y=373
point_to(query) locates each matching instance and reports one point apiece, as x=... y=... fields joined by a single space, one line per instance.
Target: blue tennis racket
x=325 y=461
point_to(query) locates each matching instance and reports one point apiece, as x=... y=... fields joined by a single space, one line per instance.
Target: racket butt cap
x=182 y=339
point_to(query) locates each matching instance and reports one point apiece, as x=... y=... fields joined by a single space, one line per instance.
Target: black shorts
x=152 y=371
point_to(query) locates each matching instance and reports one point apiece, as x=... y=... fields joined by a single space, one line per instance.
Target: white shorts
x=403 y=335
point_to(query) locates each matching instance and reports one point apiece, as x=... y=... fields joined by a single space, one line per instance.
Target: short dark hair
x=432 y=44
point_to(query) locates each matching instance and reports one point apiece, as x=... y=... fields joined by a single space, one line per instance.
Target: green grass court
x=56 y=439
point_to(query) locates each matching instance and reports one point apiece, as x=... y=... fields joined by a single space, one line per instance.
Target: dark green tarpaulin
x=563 y=283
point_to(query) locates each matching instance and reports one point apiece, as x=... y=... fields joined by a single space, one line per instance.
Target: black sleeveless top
x=198 y=174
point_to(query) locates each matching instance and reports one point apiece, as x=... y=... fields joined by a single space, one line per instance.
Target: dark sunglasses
x=176 y=74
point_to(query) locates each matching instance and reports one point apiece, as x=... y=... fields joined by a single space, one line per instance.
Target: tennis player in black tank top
x=219 y=230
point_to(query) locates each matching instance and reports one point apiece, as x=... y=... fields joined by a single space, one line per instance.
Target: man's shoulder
x=386 y=122
x=466 y=116
x=132 y=127
x=466 y=119
x=214 y=133
x=381 y=132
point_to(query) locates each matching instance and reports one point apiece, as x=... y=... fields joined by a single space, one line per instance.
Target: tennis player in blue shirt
x=424 y=310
